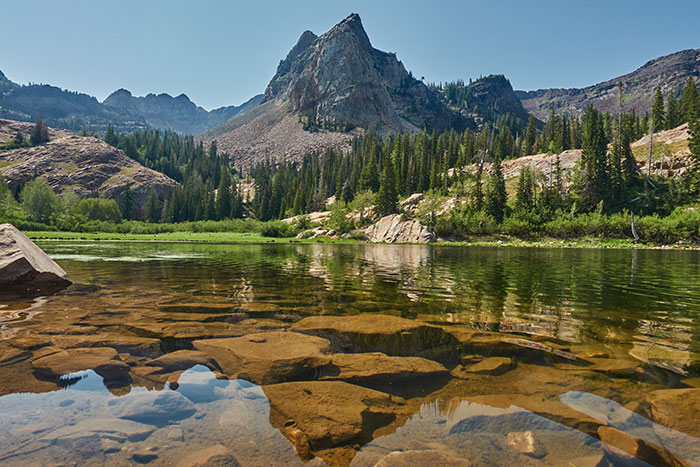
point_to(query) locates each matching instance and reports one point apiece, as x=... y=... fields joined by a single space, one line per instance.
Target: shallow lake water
x=286 y=354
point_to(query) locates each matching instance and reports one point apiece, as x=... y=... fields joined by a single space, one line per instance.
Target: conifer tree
x=127 y=203
x=657 y=111
x=223 y=195
x=152 y=208
x=593 y=185
x=530 y=136
x=387 y=198
x=496 y=195
x=673 y=113
x=690 y=102
x=39 y=133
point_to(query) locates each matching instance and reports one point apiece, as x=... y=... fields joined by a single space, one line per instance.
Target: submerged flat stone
x=678 y=409
x=152 y=407
x=414 y=458
x=623 y=449
x=103 y=360
x=526 y=443
x=24 y=267
x=380 y=367
x=329 y=413
x=491 y=366
x=107 y=428
x=268 y=357
x=369 y=332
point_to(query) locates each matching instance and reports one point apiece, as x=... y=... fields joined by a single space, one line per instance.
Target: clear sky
x=223 y=52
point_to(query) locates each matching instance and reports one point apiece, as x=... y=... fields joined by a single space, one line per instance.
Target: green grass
x=194 y=237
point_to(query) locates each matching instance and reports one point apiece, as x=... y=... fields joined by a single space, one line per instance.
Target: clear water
x=630 y=319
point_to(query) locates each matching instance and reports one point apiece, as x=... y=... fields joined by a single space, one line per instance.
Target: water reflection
x=547 y=329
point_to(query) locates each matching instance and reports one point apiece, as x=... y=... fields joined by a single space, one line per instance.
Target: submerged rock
x=24 y=267
x=491 y=366
x=525 y=443
x=103 y=360
x=268 y=357
x=330 y=413
x=625 y=449
x=394 y=229
x=153 y=407
x=380 y=368
x=213 y=456
x=380 y=333
x=678 y=409
x=430 y=457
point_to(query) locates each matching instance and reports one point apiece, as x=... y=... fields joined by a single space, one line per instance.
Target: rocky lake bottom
x=362 y=355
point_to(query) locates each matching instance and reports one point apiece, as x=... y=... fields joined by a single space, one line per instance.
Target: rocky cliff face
x=327 y=89
x=84 y=164
x=174 y=113
x=339 y=81
x=486 y=100
x=5 y=84
x=670 y=73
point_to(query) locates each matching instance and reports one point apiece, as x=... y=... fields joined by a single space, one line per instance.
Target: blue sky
x=223 y=52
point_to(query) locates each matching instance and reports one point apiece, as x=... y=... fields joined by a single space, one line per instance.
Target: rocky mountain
x=84 y=164
x=175 y=113
x=327 y=87
x=74 y=111
x=63 y=109
x=670 y=73
x=488 y=99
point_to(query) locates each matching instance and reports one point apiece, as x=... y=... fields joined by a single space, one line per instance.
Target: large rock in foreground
x=393 y=229
x=24 y=267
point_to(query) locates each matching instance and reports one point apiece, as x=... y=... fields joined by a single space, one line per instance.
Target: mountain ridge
x=669 y=73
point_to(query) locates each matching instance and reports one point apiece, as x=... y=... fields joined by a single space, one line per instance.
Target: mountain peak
x=352 y=24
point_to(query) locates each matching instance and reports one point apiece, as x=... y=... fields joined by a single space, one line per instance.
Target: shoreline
x=234 y=238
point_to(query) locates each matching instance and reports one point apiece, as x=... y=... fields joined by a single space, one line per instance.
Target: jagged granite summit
x=327 y=87
x=340 y=80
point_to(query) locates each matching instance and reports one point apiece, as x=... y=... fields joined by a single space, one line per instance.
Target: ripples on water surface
x=571 y=345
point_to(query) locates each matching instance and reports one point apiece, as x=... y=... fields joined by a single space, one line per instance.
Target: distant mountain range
x=331 y=87
x=670 y=73
x=75 y=111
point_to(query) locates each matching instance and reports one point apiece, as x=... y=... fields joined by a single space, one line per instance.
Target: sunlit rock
x=623 y=449
x=24 y=267
x=491 y=366
x=378 y=367
x=525 y=443
x=267 y=358
x=395 y=229
x=330 y=413
x=677 y=408
x=103 y=360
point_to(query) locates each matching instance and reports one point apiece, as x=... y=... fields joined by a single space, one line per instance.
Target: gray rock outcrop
x=394 y=229
x=24 y=267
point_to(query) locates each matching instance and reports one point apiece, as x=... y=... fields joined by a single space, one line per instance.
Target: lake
x=321 y=354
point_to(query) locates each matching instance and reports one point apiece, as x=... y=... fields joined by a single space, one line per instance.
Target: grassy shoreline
x=237 y=237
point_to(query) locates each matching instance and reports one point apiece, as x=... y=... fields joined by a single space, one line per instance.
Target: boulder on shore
x=395 y=229
x=24 y=267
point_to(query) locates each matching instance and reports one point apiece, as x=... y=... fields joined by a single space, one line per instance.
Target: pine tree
x=152 y=208
x=593 y=186
x=387 y=198
x=524 y=197
x=111 y=136
x=673 y=113
x=657 y=111
x=496 y=195
x=127 y=203
x=223 y=195
x=39 y=133
x=530 y=136
x=690 y=102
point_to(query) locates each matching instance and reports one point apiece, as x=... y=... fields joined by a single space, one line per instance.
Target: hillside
x=669 y=73
x=490 y=99
x=325 y=88
x=84 y=164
